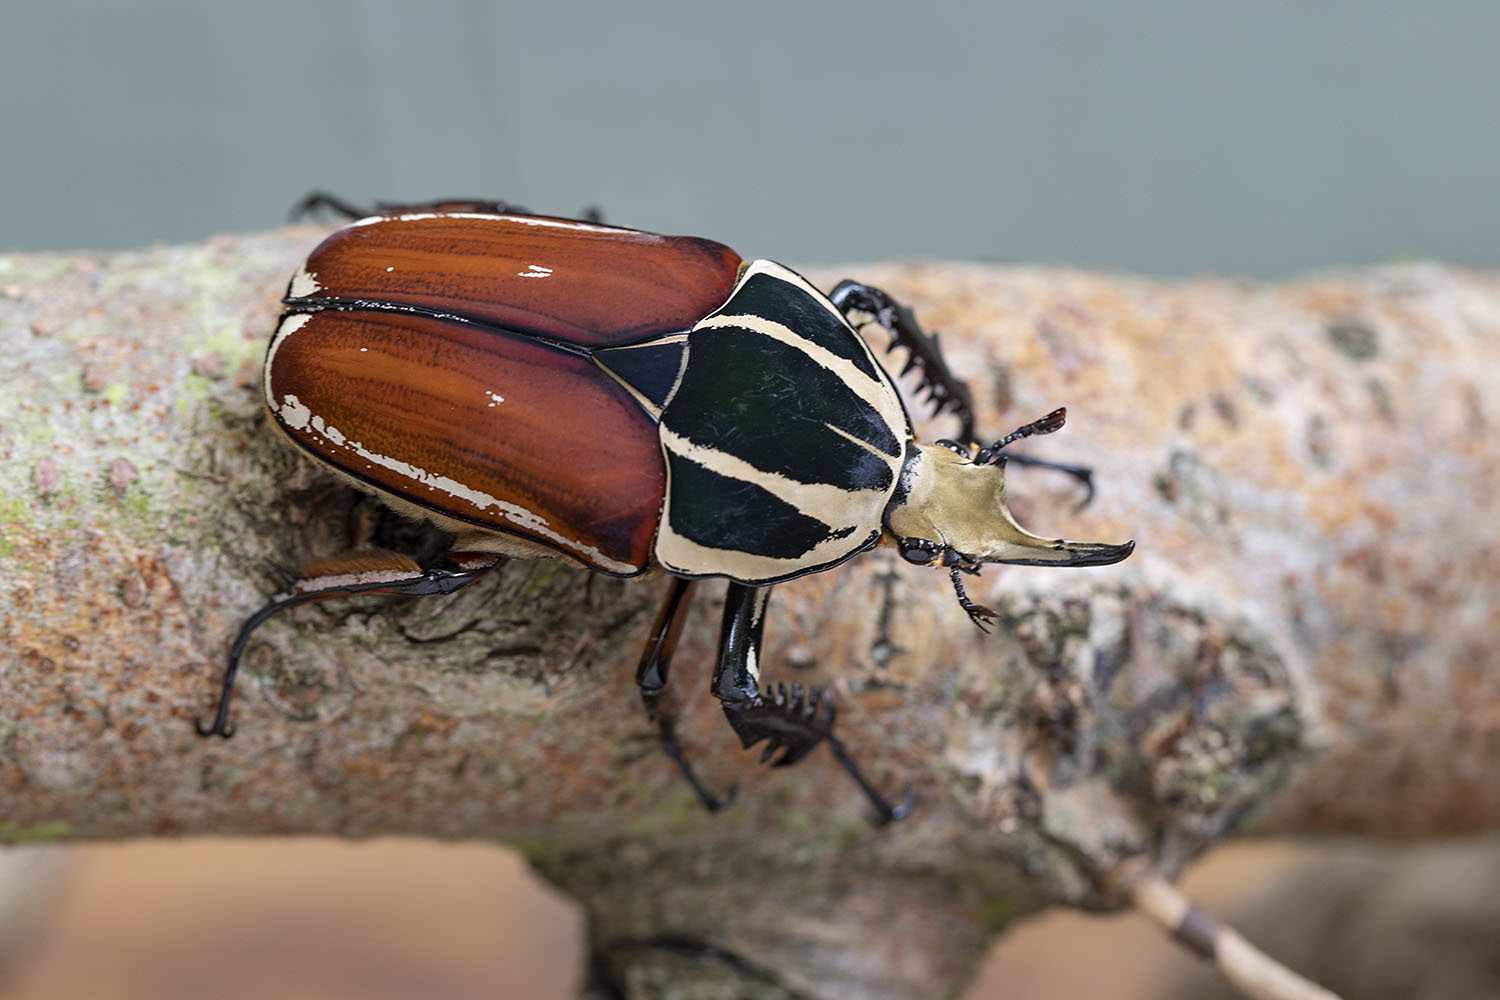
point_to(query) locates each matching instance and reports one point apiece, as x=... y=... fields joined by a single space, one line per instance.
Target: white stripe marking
x=885 y=399
x=297 y=416
x=304 y=283
x=520 y=220
x=685 y=556
x=834 y=506
x=289 y=325
x=872 y=391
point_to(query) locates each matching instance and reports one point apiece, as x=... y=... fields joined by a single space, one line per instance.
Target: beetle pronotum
x=552 y=387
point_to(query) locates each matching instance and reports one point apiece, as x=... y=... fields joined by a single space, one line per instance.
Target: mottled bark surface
x=1302 y=641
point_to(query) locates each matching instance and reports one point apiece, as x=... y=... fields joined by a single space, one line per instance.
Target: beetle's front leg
x=861 y=304
x=651 y=678
x=791 y=722
x=385 y=573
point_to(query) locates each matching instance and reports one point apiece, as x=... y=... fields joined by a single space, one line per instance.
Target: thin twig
x=1253 y=972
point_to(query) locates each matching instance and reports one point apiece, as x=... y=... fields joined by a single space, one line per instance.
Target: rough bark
x=1301 y=642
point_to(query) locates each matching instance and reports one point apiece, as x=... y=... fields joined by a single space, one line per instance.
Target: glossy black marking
x=724 y=513
x=780 y=301
x=650 y=368
x=765 y=402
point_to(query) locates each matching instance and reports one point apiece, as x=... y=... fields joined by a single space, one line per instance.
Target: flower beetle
x=540 y=386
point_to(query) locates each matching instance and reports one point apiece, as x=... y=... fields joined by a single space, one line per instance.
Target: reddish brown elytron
x=476 y=412
x=589 y=285
x=446 y=393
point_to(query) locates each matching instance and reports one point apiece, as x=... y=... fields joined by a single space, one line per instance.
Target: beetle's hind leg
x=790 y=722
x=382 y=573
x=861 y=304
x=322 y=201
x=651 y=678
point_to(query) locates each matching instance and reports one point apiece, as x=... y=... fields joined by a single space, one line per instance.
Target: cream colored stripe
x=872 y=391
x=877 y=392
x=289 y=325
x=836 y=507
x=683 y=555
x=783 y=273
x=299 y=417
x=890 y=460
x=894 y=415
x=501 y=220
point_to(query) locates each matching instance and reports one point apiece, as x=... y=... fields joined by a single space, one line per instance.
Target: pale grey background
x=1164 y=136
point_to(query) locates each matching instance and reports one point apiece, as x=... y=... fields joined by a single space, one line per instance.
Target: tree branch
x=1301 y=642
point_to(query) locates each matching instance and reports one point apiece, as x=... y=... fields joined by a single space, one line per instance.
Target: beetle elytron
x=542 y=386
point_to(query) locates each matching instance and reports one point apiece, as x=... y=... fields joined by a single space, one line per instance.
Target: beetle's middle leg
x=791 y=722
x=651 y=678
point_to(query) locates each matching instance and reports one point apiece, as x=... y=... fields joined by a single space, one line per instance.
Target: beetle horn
x=959 y=505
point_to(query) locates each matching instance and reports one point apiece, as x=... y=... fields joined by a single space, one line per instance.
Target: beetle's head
x=950 y=511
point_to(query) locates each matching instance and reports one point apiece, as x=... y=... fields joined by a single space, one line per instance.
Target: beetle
x=549 y=387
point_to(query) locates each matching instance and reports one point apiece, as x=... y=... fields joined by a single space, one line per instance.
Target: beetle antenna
x=1049 y=424
x=1046 y=425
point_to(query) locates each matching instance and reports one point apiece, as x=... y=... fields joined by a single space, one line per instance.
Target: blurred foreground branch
x=1301 y=642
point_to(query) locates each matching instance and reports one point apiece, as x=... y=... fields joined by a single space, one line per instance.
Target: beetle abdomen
x=478 y=425
x=783 y=437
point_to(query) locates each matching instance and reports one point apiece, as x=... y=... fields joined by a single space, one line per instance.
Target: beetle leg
x=319 y=201
x=980 y=615
x=1083 y=473
x=945 y=391
x=651 y=678
x=791 y=722
x=416 y=583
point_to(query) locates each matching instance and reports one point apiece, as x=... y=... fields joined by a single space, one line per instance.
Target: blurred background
x=1169 y=137
x=1161 y=136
